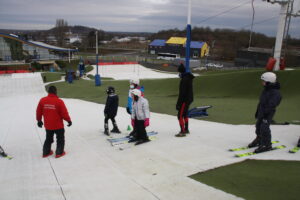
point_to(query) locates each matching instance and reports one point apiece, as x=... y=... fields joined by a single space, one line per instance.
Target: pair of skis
x=293 y=150
x=3 y=154
x=123 y=142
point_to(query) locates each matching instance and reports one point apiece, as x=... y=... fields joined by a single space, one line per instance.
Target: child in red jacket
x=54 y=112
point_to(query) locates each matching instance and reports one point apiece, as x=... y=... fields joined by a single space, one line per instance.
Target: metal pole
x=69 y=56
x=280 y=33
x=188 y=38
x=97 y=76
x=97 y=52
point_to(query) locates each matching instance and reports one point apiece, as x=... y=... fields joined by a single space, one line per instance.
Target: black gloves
x=69 y=123
x=128 y=110
x=40 y=124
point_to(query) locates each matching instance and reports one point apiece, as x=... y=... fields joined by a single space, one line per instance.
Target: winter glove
x=132 y=123
x=69 y=123
x=105 y=115
x=146 y=122
x=40 y=124
x=128 y=110
x=265 y=121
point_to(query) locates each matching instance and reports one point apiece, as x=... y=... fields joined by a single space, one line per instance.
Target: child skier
x=134 y=84
x=110 y=110
x=269 y=99
x=140 y=117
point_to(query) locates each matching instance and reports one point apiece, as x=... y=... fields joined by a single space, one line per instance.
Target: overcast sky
x=141 y=15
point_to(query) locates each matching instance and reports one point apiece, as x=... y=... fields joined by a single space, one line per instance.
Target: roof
x=196 y=45
x=35 y=43
x=158 y=42
x=176 y=40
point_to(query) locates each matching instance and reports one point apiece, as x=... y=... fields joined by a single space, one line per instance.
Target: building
x=14 y=48
x=177 y=45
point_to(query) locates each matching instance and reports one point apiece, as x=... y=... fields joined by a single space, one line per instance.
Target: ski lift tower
x=283 y=27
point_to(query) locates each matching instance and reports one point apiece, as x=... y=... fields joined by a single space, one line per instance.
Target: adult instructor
x=54 y=111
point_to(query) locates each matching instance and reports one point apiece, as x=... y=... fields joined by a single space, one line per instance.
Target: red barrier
x=10 y=71
x=282 y=64
x=22 y=71
x=270 y=64
x=117 y=63
x=2 y=72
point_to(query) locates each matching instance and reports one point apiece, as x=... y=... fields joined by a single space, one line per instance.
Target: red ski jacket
x=54 y=112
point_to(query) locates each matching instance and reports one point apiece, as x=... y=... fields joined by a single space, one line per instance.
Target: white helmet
x=135 y=81
x=136 y=92
x=268 y=77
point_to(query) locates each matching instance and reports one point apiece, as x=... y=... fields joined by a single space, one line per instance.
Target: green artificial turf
x=256 y=179
x=233 y=94
x=51 y=76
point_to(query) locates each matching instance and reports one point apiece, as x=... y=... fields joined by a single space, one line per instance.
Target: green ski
x=246 y=147
x=252 y=153
x=3 y=154
x=294 y=150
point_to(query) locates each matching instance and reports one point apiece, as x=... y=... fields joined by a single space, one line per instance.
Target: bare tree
x=61 y=28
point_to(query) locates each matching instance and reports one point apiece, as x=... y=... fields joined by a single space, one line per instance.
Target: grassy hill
x=233 y=94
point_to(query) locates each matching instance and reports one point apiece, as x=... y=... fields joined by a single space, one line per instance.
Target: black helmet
x=110 y=90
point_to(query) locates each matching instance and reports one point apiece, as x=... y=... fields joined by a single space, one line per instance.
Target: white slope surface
x=93 y=169
x=126 y=72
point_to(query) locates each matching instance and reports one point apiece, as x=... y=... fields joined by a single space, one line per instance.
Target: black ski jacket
x=111 y=106
x=185 y=90
x=269 y=99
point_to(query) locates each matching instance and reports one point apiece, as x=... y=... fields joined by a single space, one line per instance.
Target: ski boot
x=255 y=142
x=180 y=134
x=263 y=148
x=60 y=155
x=115 y=129
x=142 y=141
x=49 y=154
x=106 y=132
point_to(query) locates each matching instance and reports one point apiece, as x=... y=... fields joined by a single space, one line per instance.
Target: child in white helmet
x=134 y=84
x=270 y=98
x=140 y=117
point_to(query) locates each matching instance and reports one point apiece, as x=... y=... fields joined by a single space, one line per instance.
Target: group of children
x=137 y=107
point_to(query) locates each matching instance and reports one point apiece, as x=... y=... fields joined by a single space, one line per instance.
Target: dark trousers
x=182 y=117
x=111 y=118
x=140 y=130
x=263 y=131
x=60 y=141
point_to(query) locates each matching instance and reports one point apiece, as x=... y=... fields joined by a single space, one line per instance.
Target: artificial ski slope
x=93 y=169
